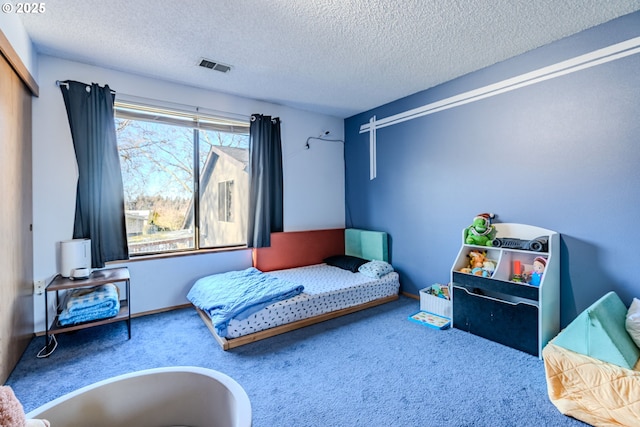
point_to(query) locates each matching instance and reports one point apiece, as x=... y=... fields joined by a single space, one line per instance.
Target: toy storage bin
x=506 y=320
x=434 y=304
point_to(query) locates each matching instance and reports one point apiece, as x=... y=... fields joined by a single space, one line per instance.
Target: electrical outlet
x=38 y=287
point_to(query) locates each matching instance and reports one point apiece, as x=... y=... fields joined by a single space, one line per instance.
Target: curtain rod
x=176 y=106
x=66 y=84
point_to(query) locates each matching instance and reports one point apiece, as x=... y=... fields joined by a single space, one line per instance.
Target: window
x=185 y=179
x=225 y=197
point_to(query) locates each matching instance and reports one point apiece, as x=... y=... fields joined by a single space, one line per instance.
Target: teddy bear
x=12 y=413
x=481 y=232
x=476 y=261
x=479 y=265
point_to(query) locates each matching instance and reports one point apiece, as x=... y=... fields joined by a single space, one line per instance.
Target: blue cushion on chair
x=600 y=332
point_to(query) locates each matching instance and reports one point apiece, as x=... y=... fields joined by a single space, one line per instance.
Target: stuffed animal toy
x=488 y=267
x=480 y=232
x=479 y=265
x=476 y=261
x=12 y=413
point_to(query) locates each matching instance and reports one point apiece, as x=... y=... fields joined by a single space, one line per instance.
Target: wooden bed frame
x=289 y=250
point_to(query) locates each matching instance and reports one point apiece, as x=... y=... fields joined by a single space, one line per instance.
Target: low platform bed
x=330 y=289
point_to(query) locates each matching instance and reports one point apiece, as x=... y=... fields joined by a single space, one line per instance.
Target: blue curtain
x=265 y=179
x=100 y=196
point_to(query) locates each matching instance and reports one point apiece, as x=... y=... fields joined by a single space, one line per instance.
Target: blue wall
x=563 y=154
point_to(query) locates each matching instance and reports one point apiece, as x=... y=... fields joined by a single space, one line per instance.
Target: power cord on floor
x=41 y=354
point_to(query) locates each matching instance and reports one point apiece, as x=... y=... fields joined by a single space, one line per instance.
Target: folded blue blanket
x=86 y=304
x=238 y=294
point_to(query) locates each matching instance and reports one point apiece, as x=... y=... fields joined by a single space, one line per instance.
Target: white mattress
x=326 y=289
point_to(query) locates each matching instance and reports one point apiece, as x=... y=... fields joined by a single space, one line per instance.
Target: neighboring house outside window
x=224 y=197
x=180 y=172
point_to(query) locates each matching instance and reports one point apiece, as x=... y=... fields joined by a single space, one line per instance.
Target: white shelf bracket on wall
x=578 y=63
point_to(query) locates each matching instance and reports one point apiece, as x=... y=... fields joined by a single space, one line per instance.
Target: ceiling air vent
x=212 y=65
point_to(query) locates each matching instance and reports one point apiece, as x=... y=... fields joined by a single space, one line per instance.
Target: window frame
x=198 y=120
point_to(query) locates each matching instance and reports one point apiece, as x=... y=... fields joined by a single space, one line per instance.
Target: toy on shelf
x=517 y=272
x=476 y=259
x=539 y=244
x=479 y=265
x=535 y=277
x=488 y=267
x=481 y=232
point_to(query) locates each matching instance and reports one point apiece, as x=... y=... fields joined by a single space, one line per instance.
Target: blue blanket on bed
x=238 y=294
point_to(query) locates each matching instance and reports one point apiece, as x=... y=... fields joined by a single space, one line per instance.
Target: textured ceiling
x=338 y=57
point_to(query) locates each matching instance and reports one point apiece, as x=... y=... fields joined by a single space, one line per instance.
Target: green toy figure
x=481 y=232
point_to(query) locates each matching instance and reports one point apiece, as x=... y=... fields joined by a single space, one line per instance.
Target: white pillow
x=375 y=269
x=633 y=321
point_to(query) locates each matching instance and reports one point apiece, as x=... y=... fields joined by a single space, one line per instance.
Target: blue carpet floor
x=371 y=368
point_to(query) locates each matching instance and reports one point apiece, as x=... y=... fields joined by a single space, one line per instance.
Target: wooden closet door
x=16 y=208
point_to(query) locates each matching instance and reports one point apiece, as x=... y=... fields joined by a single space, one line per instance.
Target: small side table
x=98 y=277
